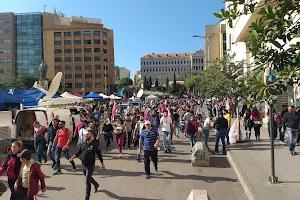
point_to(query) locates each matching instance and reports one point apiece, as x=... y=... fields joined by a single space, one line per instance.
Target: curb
x=249 y=190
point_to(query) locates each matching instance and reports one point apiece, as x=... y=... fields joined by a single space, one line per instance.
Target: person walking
x=39 y=141
x=291 y=121
x=87 y=151
x=176 y=123
x=120 y=134
x=108 y=131
x=27 y=184
x=248 y=123
x=166 y=123
x=11 y=165
x=128 y=126
x=154 y=119
x=221 y=126
x=139 y=127
x=206 y=129
x=149 y=140
x=227 y=116
x=62 y=139
x=192 y=129
x=256 y=118
x=51 y=135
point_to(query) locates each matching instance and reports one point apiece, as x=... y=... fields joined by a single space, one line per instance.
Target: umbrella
x=114 y=97
x=104 y=96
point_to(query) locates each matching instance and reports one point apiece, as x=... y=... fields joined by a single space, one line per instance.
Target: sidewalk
x=252 y=164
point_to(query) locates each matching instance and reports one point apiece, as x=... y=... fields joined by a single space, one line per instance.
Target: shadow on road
x=208 y=179
x=219 y=162
x=114 y=196
x=113 y=173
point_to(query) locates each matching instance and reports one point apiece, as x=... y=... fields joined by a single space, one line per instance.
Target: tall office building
x=29 y=43
x=7 y=46
x=81 y=48
x=215 y=44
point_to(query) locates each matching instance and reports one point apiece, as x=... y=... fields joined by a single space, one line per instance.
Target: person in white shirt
x=166 y=123
x=206 y=129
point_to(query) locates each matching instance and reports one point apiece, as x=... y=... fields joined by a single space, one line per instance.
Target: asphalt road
x=124 y=178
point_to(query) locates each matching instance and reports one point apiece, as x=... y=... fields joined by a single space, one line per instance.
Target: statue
x=43 y=70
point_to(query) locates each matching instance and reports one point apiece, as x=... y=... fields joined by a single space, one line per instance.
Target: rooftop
x=154 y=55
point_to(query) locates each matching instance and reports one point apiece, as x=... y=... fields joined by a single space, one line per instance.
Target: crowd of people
x=132 y=128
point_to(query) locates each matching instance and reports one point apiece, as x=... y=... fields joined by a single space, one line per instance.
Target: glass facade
x=29 y=43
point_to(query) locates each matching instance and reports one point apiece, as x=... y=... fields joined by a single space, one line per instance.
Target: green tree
x=150 y=82
x=156 y=82
x=5 y=85
x=167 y=84
x=145 y=82
x=27 y=80
x=125 y=82
x=270 y=44
x=174 y=81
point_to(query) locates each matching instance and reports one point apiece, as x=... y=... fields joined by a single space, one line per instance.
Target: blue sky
x=140 y=26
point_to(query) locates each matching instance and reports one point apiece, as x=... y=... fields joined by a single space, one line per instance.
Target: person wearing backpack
x=154 y=119
x=221 y=126
x=247 y=123
x=192 y=129
x=40 y=141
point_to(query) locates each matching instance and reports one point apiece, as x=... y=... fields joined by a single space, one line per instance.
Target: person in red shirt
x=62 y=141
x=12 y=165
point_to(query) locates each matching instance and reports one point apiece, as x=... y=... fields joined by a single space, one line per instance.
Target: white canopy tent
x=104 y=96
x=68 y=95
x=114 y=97
x=58 y=101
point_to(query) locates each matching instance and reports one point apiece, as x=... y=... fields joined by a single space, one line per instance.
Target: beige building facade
x=198 y=62
x=81 y=48
x=163 y=66
x=215 y=43
x=7 y=46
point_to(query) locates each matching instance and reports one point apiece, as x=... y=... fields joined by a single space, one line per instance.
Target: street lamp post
x=198 y=36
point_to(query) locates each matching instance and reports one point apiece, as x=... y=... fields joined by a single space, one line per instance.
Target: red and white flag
x=82 y=90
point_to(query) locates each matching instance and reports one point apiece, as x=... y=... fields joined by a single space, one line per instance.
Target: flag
x=114 y=110
x=82 y=90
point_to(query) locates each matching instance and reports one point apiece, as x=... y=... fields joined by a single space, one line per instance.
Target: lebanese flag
x=114 y=111
x=82 y=90
x=228 y=104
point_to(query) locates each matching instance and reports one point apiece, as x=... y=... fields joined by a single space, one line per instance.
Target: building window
x=86 y=33
x=77 y=33
x=67 y=33
x=88 y=75
x=104 y=34
x=67 y=42
x=68 y=76
x=78 y=67
x=5 y=61
x=77 y=59
x=77 y=41
x=105 y=67
x=97 y=84
x=78 y=85
x=4 y=41
x=104 y=42
x=88 y=67
x=97 y=67
x=78 y=75
x=68 y=50
x=88 y=85
x=97 y=75
x=97 y=50
x=4 y=31
x=4 y=71
x=68 y=67
x=96 y=41
x=87 y=50
x=106 y=75
x=57 y=50
x=96 y=33
x=202 y=60
x=4 y=21
x=97 y=58
x=58 y=68
x=57 y=59
x=57 y=34
x=77 y=50
x=87 y=42
x=69 y=85
x=68 y=59
x=104 y=50
x=105 y=60
x=87 y=59
x=4 y=51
